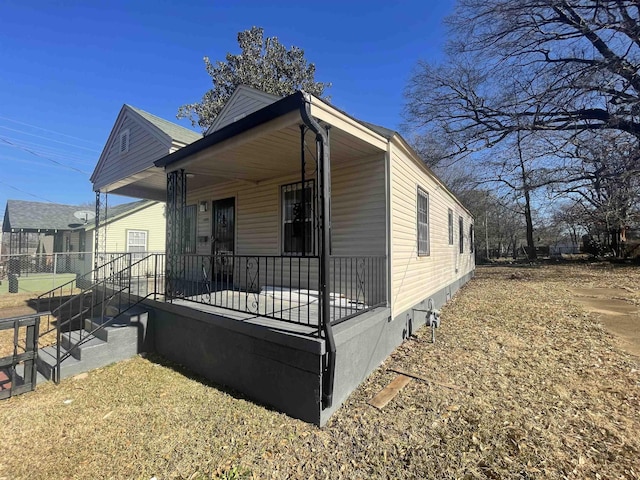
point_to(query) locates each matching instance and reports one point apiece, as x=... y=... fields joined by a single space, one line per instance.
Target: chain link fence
x=30 y=273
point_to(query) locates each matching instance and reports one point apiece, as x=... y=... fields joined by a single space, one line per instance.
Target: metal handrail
x=50 y=295
x=104 y=304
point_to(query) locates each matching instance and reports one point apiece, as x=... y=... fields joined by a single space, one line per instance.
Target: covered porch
x=278 y=220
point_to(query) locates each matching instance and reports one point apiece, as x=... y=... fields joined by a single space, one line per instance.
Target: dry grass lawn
x=547 y=393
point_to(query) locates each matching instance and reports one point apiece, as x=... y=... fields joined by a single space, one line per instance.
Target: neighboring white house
x=303 y=246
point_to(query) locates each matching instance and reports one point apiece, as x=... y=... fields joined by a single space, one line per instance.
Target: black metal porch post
x=303 y=195
x=176 y=202
x=96 y=232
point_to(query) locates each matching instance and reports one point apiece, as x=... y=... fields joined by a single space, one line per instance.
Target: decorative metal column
x=176 y=203
x=96 y=232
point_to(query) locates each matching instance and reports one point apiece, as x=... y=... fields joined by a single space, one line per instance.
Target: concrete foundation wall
x=276 y=369
x=280 y=369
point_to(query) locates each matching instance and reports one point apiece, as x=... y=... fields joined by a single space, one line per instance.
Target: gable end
x=244 y=101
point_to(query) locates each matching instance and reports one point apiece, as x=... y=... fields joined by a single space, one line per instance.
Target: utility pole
x=486 y=223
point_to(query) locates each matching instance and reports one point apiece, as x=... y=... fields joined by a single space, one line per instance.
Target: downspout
x=323 y=158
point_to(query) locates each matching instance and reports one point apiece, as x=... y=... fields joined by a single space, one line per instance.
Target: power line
x=25 y=192
x=42 y=156
x=40 y=163
x=46 y=130
x=49 y=139
x=53 y=153
x=46 y=148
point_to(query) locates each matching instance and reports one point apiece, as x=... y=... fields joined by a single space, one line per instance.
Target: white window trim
x=423 y=253
x=146 y=239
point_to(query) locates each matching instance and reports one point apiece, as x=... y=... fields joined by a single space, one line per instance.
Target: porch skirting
x=279 y=368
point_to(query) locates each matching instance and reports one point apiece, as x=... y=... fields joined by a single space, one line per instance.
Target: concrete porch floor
x=295 y=311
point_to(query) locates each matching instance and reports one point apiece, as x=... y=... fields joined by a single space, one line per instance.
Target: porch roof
x=267 y=143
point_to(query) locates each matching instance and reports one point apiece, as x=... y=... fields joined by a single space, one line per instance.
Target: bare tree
x=604 y=184
x=548 y=65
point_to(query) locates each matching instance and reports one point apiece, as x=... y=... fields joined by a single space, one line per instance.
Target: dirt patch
x=607 y=306
x=602 y=292
x=617 y=312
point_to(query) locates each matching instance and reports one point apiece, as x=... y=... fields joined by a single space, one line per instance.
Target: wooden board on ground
x=425 y=379
x=390 y=391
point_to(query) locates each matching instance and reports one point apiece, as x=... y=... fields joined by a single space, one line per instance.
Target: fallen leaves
x=528 y=402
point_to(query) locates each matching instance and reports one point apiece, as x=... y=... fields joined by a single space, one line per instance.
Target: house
x=54 y=240
x=136 y=140
x=303 y=246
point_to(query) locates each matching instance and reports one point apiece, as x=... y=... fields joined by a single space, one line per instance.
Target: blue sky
x=68 y=66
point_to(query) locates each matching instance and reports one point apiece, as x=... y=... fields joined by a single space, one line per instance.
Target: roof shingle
x=34 y=216
x=176 y=132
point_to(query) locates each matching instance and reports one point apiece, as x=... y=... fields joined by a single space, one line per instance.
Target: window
x=423 y=222
x=297 y=222
x=450 y=227
x=471 y=239
x=124 y=141
x=190 y=225
x=137 y=243
x=461 y=234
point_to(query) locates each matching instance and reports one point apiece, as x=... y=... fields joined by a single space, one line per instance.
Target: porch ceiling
x=269 y=151
x=150 y=184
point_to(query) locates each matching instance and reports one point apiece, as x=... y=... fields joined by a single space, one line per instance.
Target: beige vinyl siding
x=357 y=208
x=152 y=219
x=144 y=149
x=413 y=277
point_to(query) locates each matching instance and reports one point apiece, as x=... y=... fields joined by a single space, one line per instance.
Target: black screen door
x=223 y=234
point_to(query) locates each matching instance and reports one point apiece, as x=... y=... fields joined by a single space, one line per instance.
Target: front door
x=223 y=237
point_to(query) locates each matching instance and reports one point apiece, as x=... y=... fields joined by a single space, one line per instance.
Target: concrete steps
x=116 y=340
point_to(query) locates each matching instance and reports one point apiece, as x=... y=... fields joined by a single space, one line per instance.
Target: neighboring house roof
x=174 y=131
x=47 y=217
x=33 y=216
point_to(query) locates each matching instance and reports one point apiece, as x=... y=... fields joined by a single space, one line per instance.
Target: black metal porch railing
x=115 y=289
x=358 y=284
x=284 y=288
x=67 y=294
